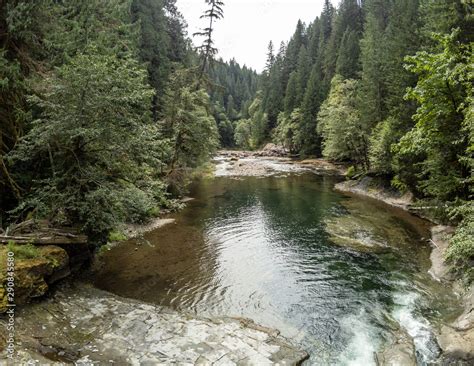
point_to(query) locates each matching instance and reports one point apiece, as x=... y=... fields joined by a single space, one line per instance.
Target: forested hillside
x=233 y=91
x=386 y=85
x=105 y=109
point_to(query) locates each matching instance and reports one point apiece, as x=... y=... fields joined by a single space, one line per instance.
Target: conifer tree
x=307 y=138
x=291 y=93
x=373 y=87
x=154 y=45
x=207 y=50
x=303 y=70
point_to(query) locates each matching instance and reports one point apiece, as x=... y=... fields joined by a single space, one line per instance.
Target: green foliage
x=161 y=43
x=348 y=57
x=291 y=93
x=259 y=121
x=78 y=82
x=344 y=136
x=188 y=123
x=88 y=147
x=116 y=235
x=373 y=88
x=243 y=134
x=438 y=133
x=381 y=140
x=206 y=50
x=232 y=93
x=252 y=132
x=226 y=130
x=398 y=184
x=461 y=249
x=23 y=251
x=288 y=129
x=21 y=23
x=313 y=97
x=76 y=25
x=351 y=172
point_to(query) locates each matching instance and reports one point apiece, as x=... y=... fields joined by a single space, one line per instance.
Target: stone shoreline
x=82 y=325
x=365 y=188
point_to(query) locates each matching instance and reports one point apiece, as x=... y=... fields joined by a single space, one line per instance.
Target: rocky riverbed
x=254 y=164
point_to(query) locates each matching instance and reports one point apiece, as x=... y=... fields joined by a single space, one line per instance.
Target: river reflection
x=336 y=274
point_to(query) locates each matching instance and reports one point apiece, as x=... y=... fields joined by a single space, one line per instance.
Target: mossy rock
x=33 y=275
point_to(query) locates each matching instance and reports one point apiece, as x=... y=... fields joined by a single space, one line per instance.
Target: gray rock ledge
x=85 y=326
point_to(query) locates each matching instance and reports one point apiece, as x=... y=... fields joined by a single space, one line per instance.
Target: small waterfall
x=427 y=349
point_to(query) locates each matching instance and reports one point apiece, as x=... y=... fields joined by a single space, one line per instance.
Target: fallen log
x=27 y=226
x=51 y=239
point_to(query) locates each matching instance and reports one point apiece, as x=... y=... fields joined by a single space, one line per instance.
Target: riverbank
x=456 y=339
x=82 y=325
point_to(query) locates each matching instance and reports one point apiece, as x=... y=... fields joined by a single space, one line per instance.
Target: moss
x=102 y=249
x=350 y=172
x=3 y=300
x=155 y=211
x=116 y=235
x=26 y=251
x=33 y=265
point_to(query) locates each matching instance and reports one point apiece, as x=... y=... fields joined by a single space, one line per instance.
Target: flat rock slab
x=86 y=326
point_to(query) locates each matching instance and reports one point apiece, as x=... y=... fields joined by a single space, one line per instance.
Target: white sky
x=249 y=25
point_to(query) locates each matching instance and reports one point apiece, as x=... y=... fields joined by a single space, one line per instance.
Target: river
x=341 y=276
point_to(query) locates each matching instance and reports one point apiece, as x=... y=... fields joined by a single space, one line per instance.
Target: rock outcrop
x=455 y=339
x=83 y=325
x=33 y=276
x=369 y=187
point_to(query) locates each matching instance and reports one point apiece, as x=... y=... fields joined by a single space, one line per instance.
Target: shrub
x=461 y=248
x=116 y=235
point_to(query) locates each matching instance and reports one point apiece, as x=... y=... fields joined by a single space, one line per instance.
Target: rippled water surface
x=338 y=275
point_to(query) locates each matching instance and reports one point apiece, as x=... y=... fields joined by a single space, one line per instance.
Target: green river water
x=339 y=276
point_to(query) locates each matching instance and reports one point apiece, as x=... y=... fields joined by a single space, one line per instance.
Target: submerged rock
x=370 y=187
x=83 y=325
